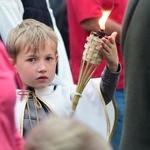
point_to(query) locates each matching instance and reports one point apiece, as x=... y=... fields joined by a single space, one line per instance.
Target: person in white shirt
x=33 y=49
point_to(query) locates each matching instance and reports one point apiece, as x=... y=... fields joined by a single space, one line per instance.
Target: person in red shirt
x=10 y=138
x=83 y=17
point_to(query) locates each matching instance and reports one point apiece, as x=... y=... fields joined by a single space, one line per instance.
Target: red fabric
x=79 y=10
x=9 y=136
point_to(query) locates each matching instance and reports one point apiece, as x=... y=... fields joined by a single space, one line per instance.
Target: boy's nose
x=42 y=67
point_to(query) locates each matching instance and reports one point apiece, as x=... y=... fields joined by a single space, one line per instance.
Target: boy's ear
x=12 y=62
x=57 y=57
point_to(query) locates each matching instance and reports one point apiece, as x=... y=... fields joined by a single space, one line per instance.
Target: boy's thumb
x=114 y=35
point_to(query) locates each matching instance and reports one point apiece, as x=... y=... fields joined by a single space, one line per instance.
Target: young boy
x=32 y=46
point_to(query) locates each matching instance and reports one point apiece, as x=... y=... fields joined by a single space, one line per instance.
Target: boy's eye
x=31 y=59
x=49 y=58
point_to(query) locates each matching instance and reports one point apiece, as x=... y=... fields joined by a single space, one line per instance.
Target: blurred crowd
x=72 y=21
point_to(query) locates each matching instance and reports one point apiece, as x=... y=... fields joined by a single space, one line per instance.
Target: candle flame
x=106 y=8
x=103 y=19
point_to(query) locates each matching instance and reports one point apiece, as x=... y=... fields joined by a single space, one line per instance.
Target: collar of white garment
x=57 y=81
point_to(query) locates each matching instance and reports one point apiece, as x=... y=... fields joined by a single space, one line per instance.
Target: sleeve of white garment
x=11 y=13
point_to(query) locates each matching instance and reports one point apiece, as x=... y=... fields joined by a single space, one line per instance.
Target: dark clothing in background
x=60 y=12
x=136 y=51
x=37 y=9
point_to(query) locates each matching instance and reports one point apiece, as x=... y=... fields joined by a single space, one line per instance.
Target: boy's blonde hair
x=64 y=134
x=29 y=34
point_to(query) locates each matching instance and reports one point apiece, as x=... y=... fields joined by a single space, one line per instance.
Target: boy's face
x=37 y=70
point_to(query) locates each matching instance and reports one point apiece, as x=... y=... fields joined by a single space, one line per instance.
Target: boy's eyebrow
x=32 y=55
x=36 y=55
x=49 y=54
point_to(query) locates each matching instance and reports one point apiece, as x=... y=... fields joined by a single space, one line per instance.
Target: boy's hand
x=109 y=51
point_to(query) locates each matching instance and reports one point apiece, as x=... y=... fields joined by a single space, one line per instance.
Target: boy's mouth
x=42 y=78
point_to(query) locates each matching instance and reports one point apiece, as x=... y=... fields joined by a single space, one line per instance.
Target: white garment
x=91 y=108
x=11 y=14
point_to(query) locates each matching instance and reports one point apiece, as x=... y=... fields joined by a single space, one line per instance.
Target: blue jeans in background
x=120 y=104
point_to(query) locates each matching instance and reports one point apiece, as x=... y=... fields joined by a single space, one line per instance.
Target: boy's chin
x=40 y=86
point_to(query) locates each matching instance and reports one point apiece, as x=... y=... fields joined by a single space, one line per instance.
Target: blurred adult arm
x=10 y=137
x=111 y=26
